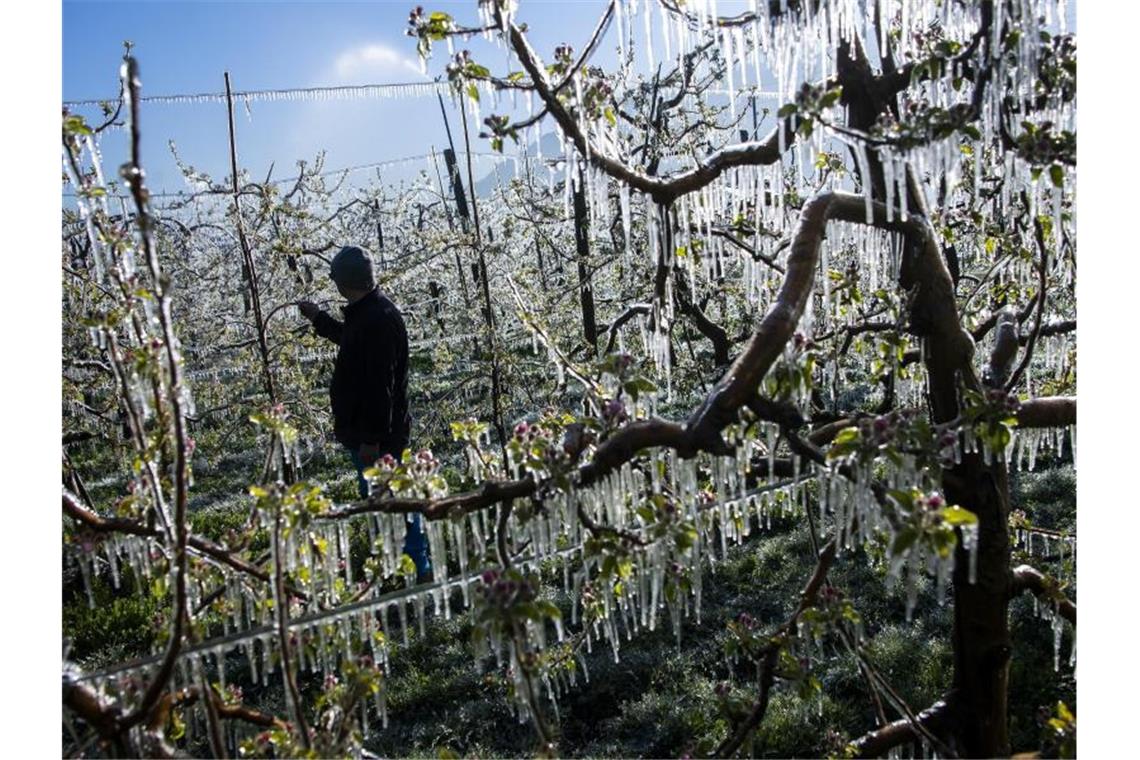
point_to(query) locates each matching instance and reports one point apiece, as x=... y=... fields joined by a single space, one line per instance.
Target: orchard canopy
x=803 y=262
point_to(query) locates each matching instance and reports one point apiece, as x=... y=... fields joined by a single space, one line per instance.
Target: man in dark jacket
x=369 y=389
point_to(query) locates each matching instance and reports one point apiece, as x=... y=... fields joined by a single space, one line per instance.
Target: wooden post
x=250 y=271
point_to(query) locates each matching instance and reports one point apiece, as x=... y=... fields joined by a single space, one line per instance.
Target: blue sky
x=184 y=47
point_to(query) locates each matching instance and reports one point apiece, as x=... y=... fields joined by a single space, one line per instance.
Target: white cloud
x=374 y=62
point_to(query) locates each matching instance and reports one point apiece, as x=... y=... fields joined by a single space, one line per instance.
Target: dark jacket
x=369 y=389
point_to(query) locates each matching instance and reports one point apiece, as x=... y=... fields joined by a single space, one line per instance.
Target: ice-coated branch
x=775 y=8
x=595 y=38
x=133 y=173
x=87 y=703
x=925 y=269
x=879 y=683
x=615 y=451
x=1029 y=578
x=594 y=527
x=281 y=615
x=91 y=521
x=1004 y=350
x=1048 y=411
x=588 y=385
x=984 y=327
x=487 y=495
x=1039 y=312
x=630 y=312
x=1061 y=327
x=711 y=330
x=664 y=190
x=935 y=719
x=752 y=252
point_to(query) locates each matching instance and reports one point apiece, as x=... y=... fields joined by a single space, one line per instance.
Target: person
x=369 y=389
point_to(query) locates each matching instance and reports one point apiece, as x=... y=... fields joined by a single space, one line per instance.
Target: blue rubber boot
x=416 y=547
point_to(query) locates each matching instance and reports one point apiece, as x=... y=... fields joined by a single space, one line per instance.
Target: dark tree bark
x=585 y=289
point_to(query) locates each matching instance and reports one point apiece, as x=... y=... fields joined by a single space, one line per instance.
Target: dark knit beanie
x=352 y=268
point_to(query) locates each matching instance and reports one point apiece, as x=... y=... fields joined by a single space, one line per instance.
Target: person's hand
x=309 y=310
x=369 y=453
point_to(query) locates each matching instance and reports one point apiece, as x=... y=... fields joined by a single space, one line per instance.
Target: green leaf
x=955 y=515
x=1057 y=174
x=831 y=97
x=846 y=435
x=74 y=124
x=904 y=539
x=177 y=726
x=686 y=538
x=473 y=92
x=787 y=110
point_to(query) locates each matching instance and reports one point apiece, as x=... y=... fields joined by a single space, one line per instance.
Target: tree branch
x=625 y=316
x=1029 y=578
x=1048 y=411
x=663 y=190
x=1043 y=270
x=92 y=521
x=936 y=719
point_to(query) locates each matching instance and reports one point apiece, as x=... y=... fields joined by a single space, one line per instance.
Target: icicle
x=85 y=571
x=1058 y=624
x=970 y=544
x=403 y=621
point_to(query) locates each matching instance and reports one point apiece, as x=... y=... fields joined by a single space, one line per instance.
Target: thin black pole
x=446 y=125
x=470 y=176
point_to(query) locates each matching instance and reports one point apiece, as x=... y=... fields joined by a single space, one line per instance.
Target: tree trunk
x=981 y=630
x=585 y=289
x=980 y=640
x=981 y=620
